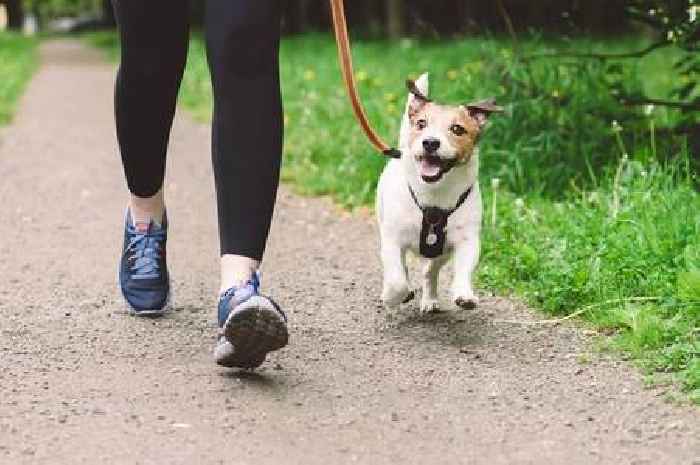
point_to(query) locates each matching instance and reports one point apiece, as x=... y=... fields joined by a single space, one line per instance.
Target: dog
x=428 y=201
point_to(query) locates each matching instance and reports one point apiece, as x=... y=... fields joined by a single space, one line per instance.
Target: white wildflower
x=406 y=44
x=649 y=109
x=693 y=13
x=616 y=126
x=495 y=182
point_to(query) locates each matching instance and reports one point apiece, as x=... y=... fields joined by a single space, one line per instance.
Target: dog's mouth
x=432 y=167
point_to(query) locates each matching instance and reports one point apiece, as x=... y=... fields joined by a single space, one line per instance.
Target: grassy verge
x=577 y=226
x=625 y=256
x=18 y=60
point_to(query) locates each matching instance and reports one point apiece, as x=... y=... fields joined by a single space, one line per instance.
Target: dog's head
x=438 y=137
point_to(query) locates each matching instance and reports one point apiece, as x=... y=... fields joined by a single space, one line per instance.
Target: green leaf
x=689 y=286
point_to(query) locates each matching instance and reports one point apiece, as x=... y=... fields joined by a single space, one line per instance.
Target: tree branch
x=662 y=103
x=603 y=56
x=509 y=24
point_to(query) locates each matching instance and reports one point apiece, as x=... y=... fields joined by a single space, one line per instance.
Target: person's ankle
x=236 y=271
x=143 y=210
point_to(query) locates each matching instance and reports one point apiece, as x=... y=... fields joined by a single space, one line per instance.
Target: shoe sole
x=254 y=328
x=149 y=312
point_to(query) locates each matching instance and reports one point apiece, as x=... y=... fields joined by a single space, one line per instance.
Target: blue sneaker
x=250 y=326
x=143 y=271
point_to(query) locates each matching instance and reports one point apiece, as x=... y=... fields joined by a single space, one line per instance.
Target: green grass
x=577 y=228
x=626 y=255
x=18 y=60
x=558 y=113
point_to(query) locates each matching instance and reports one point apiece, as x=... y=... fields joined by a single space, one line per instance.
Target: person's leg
x=242 y=48
x=154 y=36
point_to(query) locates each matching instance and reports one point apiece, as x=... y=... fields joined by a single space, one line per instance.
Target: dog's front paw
x=393 y=296
x=429 y=306
x=467 y=302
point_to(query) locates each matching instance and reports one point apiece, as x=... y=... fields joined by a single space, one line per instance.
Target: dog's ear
x=421 y=85
x=481 y=110
x=418 y=94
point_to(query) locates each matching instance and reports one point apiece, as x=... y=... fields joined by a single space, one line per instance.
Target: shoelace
x=145 y=249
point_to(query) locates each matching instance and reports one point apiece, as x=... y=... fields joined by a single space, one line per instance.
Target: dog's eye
x=421 y=124
x=458 y=130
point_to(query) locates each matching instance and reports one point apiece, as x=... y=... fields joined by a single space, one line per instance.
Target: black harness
x=433 y=231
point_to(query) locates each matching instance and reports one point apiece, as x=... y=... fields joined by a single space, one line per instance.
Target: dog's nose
x=431 y=144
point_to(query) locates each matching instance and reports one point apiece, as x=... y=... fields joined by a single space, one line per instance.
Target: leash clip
x=392 y=153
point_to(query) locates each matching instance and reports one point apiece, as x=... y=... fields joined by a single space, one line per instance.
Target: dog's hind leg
x=466 y=259
x=431 y=272
x=396 y=289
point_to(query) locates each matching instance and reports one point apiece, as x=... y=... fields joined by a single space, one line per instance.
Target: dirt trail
x=83 y=383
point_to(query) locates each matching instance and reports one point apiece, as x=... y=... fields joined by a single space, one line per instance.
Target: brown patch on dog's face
x=457 y=130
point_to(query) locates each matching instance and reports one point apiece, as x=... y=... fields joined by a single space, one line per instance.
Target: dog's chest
x=430 y=233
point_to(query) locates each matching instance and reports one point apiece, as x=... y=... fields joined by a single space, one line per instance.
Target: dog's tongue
x=429 y=167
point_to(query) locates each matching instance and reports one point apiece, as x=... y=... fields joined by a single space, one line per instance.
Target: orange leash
x=345 y=58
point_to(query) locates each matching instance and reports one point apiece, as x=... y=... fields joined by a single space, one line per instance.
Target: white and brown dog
x=428 y=201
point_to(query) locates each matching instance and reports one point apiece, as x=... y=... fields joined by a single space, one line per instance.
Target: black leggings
x=242 y=50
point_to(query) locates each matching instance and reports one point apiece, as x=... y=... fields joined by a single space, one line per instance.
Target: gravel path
x=81 y=382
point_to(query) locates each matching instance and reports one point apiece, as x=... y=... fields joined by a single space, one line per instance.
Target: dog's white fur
x=400 y=220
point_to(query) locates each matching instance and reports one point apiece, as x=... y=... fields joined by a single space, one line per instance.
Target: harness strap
x=462 y=198
x=433 y=234
x=345 y=58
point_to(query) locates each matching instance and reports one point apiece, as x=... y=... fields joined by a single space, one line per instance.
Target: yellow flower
x=361 y=76
x=472 y=66
x=309 y=75
x=452 y=74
